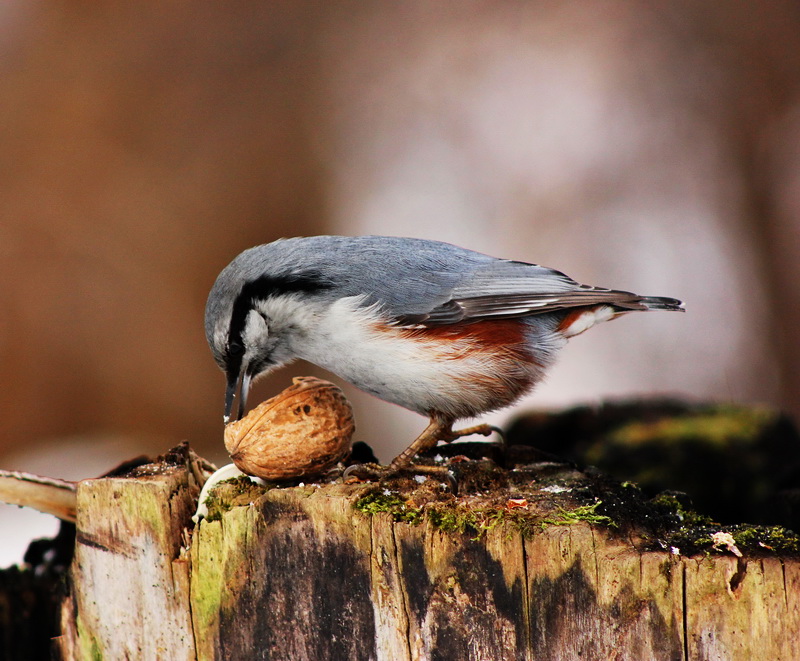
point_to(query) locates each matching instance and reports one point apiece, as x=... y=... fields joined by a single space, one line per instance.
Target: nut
x=302 y=431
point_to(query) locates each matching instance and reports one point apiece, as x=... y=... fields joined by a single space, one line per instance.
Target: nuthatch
x=440 y=330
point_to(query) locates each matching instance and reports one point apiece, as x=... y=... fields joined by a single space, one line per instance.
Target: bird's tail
x=660 y=303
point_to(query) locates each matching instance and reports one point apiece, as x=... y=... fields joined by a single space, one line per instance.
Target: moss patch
x=693 y=532
x=524 y=500
x=399 y=509
x=529 y=499
x=587 y=513
x=236 y=492
x=447 y=517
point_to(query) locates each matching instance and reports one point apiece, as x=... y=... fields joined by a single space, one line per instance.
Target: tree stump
x=534 y=560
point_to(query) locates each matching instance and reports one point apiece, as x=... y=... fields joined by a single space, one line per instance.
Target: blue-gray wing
x=505 y=289
x=430 y=283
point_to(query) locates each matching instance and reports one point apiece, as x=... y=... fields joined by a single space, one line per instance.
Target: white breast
x=356 y=344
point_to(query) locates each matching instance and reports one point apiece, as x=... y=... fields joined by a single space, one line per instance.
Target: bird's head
x=251 y=313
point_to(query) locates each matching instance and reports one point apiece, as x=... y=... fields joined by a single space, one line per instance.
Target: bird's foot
x=363 y=473
x=418 y=472
x=482 y=430
x=438 y=429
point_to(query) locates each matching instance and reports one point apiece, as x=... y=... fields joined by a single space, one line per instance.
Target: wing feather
x=429 y=283
x=504 y=306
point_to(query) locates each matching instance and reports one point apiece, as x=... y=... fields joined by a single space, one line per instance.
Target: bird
x=444 y=331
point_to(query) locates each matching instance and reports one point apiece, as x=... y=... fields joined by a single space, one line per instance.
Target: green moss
x=694 y=531
x=481 y=521
x=690 y=541
x=400 y=510
x=445 y=517
x=719 y=425
x=448 y=519
x=464 y=521
x=691 y=532
x=216 y=507
x=226 y=495
x=765 y=538
x=750 y=540
x=587 y=513
x=687 y=518
x=458 y=520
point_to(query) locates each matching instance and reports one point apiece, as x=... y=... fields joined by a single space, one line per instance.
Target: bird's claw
x=362 y=473
x=374 y=472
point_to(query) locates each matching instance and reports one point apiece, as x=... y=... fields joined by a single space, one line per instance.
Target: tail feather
x=581 y=318
x=661 y=303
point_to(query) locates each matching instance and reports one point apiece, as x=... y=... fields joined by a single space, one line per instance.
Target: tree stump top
x=531 y=559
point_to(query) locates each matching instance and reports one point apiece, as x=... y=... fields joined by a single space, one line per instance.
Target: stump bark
x=408 y=571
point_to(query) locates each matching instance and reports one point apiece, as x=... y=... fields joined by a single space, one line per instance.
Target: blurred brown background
x=641 y=145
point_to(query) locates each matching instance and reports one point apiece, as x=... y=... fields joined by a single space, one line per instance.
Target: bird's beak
x=237 y=381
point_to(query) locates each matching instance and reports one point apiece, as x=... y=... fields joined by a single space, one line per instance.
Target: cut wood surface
x=45 y=494
x=128 y=585
x=392 y=571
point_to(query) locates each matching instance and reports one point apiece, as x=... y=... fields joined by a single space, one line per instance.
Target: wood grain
x=298 y=573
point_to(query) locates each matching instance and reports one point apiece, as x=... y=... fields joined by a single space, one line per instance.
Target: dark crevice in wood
x=735 y=581
x=685 y=613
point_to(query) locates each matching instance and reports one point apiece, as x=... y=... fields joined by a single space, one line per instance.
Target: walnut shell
x=302 y=431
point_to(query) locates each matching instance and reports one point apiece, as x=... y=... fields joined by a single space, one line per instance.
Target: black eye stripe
x=258 y=290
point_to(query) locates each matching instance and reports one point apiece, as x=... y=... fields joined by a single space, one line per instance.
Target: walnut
x=300 y=432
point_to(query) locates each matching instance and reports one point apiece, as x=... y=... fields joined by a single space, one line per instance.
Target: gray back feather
x=417 y=281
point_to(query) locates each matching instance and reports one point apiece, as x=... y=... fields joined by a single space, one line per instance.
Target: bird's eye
x=235 y=349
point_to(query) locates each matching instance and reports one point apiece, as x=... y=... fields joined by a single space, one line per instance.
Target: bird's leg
x=439 y=429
